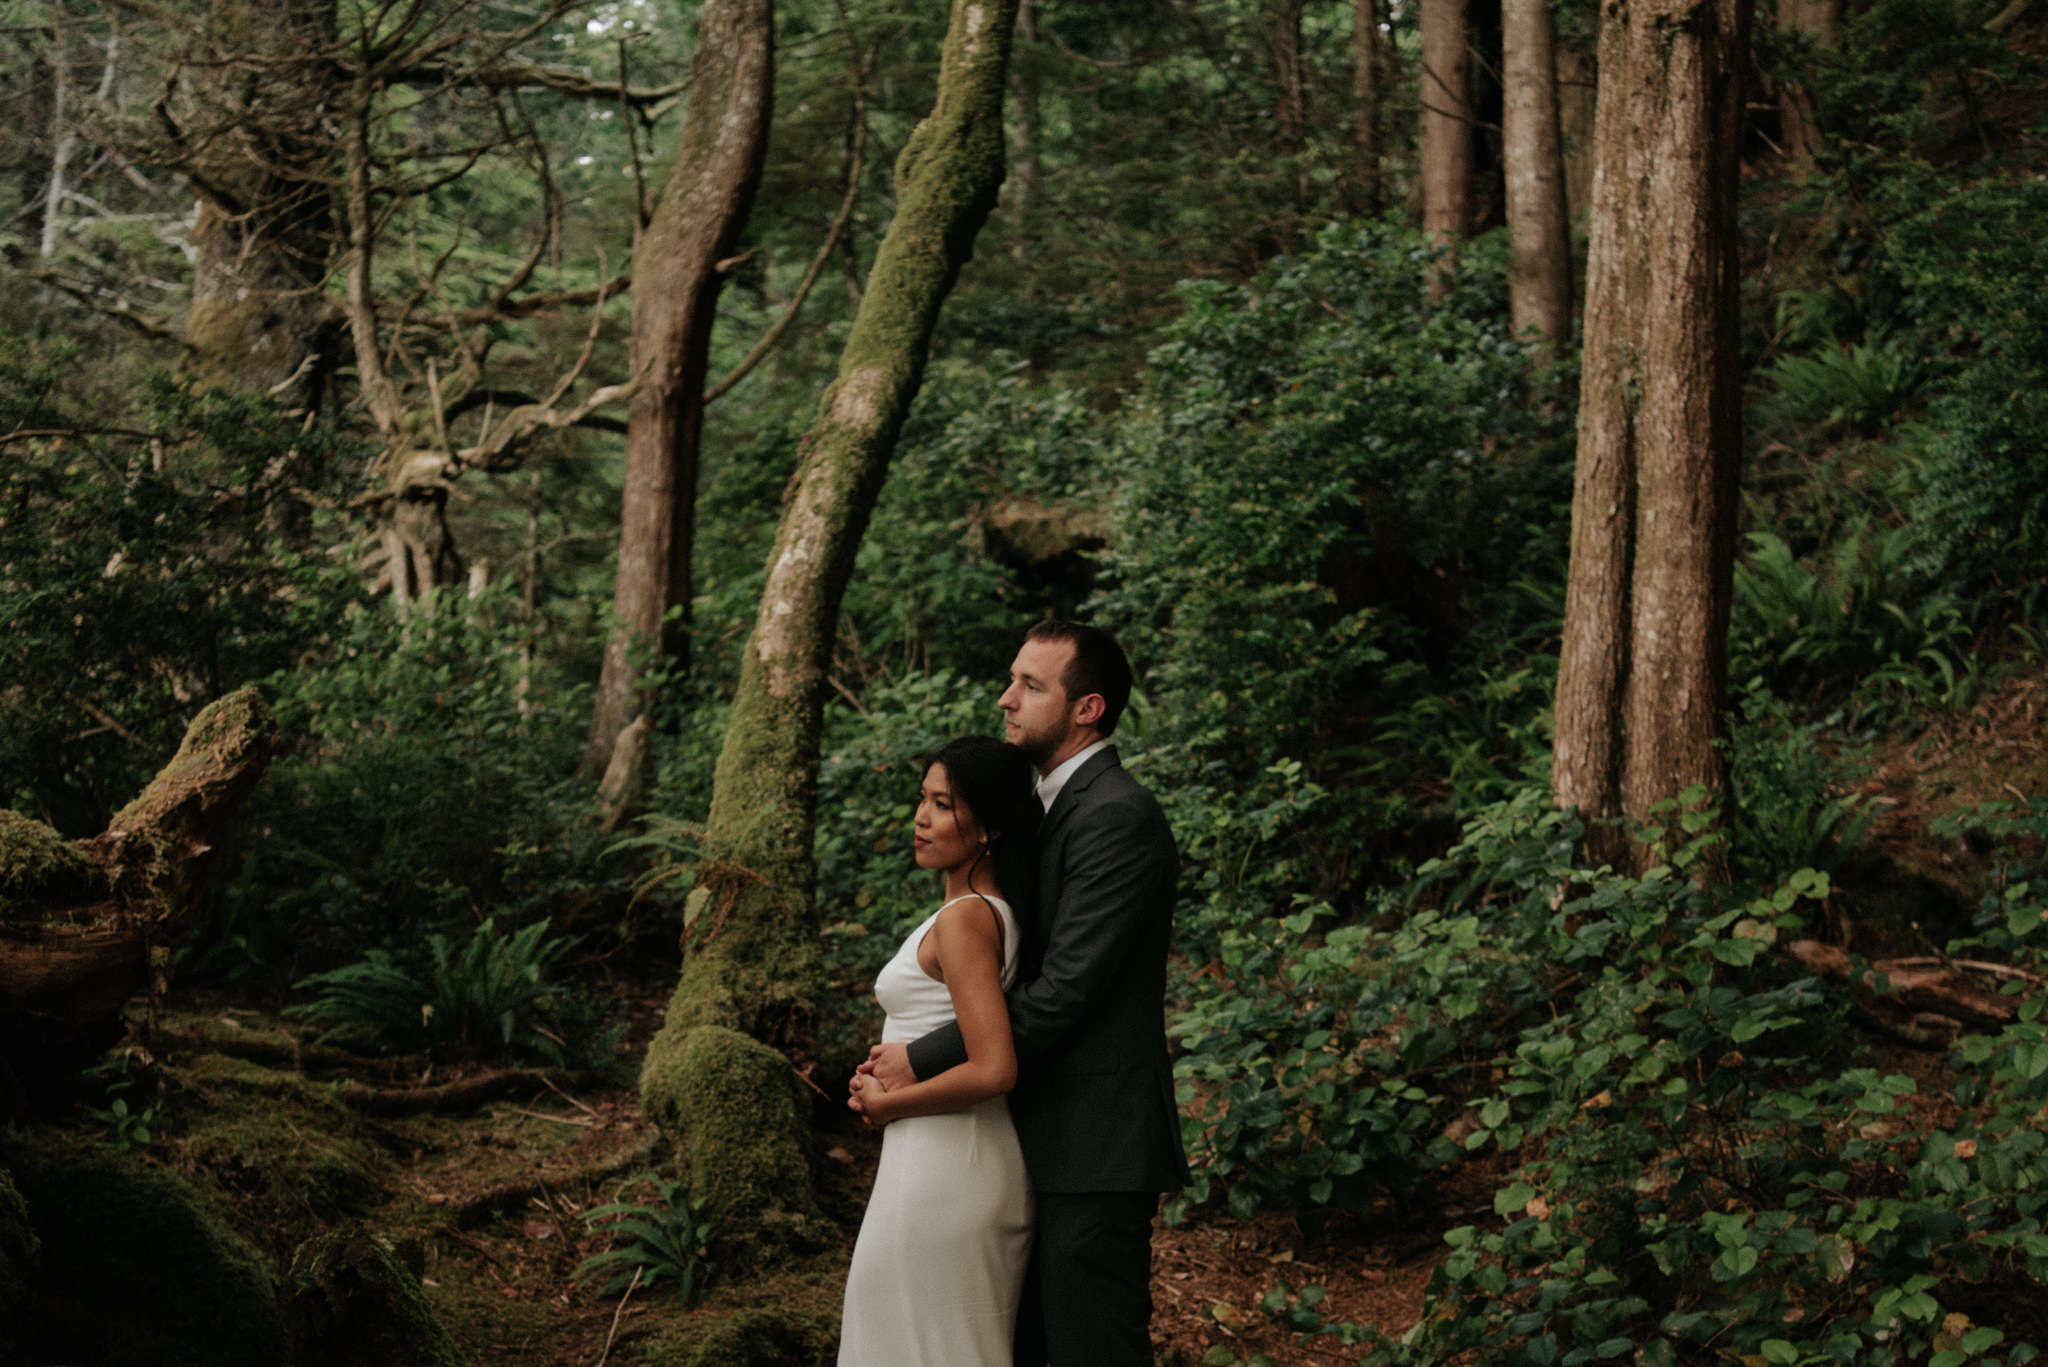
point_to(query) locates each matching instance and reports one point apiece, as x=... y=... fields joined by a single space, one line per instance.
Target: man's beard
x=1044 y=745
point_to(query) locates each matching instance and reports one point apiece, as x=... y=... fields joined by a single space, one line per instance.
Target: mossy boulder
x=355 y=1302
x=768 y=1337
x=21 y=1255
x=732 y=1107
x=136 y=1270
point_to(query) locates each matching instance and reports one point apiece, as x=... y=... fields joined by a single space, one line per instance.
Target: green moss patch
x=741 y=1128
x=137 y=1271
x=41 y=871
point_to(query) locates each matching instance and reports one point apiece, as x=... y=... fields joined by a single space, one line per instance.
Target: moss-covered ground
x=488 y=1204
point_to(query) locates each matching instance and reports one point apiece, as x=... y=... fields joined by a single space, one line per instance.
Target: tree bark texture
x=750 y=981
x=1539 y=239
x=1577 y=99
x=78 y=918
x=1290 y=106
x=1365 y=102
x=260 y=162
x=1644 y=659
x=1807 y=25
x=1445 y=130
x=695 y=225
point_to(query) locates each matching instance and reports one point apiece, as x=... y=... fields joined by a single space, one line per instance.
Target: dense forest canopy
x=1571 y=479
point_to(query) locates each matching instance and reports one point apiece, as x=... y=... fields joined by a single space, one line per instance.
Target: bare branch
x=516 y=75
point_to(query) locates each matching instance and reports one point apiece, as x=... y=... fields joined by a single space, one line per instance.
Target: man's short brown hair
x=1098 y=666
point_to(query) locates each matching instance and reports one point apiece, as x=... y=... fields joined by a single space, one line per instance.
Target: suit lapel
x=1070 y=795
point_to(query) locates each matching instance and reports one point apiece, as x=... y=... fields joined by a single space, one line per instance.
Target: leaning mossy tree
x=79 y=918
x=718 y=1078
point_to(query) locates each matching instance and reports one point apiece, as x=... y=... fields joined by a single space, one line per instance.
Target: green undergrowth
x=1709 y=1154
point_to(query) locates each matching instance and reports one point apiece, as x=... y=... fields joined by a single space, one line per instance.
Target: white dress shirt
x=1049 y=786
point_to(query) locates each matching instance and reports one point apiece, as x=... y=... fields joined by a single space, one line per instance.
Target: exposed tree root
x=487 y=1205
x=1926 y=1000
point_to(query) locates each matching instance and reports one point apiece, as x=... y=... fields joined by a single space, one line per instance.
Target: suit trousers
x=1088 y=1288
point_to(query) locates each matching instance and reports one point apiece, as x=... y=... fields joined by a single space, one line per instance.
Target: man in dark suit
x=1094 y=1099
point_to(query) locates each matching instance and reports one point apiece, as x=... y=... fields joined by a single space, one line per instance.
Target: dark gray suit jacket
x=1094 y=1100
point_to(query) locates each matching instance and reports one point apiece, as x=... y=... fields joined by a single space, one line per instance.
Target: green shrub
x=1331 y=494
x=1963 y=274
x=426 y=782
x=1702 y=1164
x=488 y=996
x=1857 y=385
x=152 y=560
x=1317 y=1071
x=1866 y=619
x=1794 y=806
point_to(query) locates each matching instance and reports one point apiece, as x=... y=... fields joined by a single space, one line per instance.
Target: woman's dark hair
x=999 y=787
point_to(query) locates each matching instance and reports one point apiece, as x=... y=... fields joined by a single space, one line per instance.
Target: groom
x=1094 y=1099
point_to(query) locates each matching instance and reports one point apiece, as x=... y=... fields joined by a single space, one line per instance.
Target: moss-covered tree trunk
x=676 y=278
x=78 y=919
x=1643 y=664
x=714 y=1080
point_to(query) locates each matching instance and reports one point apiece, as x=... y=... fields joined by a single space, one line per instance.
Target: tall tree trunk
x=1577 y=97
x=1290 y=103
x=1025 y=171
x=714 y=1080
x=265 y=236
x=1539 y=251
x=1365 y=102
x=701 y=213
x=1810 y=25
x=1445 y=132
x=1644 y=660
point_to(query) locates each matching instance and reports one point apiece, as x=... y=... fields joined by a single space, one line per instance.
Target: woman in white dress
x=939 y=1267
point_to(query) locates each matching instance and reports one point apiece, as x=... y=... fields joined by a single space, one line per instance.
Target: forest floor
x=493 y=1198
x=494 y=1195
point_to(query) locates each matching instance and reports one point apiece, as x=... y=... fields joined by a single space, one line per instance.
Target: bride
x=939 y=1266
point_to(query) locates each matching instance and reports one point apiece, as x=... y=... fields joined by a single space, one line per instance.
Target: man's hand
x=889 y=1065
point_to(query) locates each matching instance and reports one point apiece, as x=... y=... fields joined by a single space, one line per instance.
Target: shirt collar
x=1049 y=786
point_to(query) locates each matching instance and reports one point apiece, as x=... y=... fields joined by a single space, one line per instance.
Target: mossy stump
x=78 y=918
x=733 y=1108
x=354 y=1302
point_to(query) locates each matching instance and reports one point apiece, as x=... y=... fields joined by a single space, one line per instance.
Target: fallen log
x=79 y=919
x=1926 y=1000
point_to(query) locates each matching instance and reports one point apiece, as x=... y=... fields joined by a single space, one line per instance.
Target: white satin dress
x=939 y=1266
